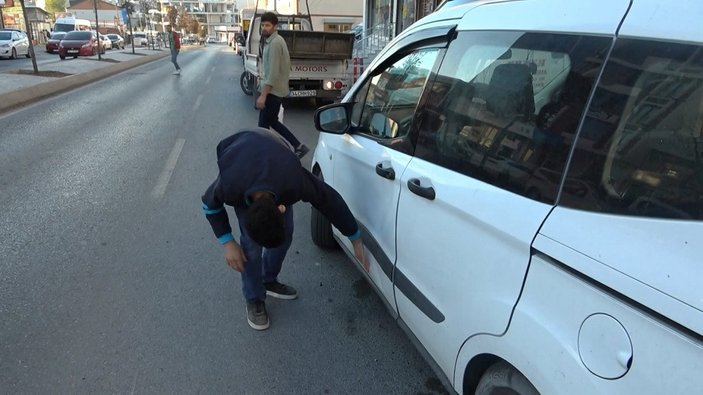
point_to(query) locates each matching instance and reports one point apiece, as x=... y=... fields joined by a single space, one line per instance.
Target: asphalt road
x=112 y=282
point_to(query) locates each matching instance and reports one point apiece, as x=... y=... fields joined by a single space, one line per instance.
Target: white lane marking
x=134 y=383
x=207 y=81
x=197 y=102
x=166 y=174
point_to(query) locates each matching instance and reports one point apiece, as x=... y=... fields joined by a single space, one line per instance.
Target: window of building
x=337 y=27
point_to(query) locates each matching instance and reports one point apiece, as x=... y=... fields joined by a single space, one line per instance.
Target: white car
x=105 y=42
x=140 y=39
x=528 y=178
x=13 y=43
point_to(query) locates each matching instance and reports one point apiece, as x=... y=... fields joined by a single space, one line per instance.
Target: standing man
x=273 y=82
x=174 y=43
x=261 y=177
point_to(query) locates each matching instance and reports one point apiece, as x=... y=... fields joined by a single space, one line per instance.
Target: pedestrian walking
x=261 y=177
x=174 y=43
x=273 y=83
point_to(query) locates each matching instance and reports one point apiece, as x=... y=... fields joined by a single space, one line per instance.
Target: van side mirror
x=333 y=118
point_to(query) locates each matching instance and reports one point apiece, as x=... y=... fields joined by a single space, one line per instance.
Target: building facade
x=394 y=16
x=108 y=13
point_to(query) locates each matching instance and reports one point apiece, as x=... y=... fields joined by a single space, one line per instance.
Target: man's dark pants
x=268 y=118
x=263 y=264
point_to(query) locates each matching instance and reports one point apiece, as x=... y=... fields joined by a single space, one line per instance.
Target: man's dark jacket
x=259 y=160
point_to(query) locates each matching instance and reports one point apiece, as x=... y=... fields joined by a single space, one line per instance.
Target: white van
x=67 y=24
x=528 y=177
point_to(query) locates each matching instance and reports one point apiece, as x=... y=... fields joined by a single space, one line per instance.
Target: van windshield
x=64 y=27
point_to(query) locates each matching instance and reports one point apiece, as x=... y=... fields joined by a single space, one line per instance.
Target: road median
x=33 y=91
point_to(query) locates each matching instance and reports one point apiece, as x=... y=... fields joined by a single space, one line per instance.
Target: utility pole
x=127 y=7
x=97 y=29
x=30 y=37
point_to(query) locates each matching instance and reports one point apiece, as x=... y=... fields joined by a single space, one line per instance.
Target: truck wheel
x=245 y=81
x=502 y=378
x=321 y=229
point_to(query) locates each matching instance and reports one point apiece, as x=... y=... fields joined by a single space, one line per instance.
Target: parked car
x=78 y=43
x=358 y=31
x=140 y=39
x=52 y=45
x=116 y=41
x=13 y=43
x=530 y=192
x=105 y=42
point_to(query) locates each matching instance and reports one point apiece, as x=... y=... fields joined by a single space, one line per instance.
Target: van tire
x=502 y=378
x=321 y=229
x=13 y=55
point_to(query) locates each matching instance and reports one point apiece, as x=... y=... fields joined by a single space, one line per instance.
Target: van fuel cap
x=604 y=346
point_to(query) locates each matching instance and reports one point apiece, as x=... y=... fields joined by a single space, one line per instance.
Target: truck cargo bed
x=304 y=44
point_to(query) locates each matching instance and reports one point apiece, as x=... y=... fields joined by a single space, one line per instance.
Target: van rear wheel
x=503 y=379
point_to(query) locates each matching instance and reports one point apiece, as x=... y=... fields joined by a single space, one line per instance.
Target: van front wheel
x=321 y=229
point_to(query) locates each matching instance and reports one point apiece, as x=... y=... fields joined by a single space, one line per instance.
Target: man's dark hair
x=269 y=17
x=264 y=223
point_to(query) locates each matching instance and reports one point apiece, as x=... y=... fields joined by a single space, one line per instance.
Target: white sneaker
x=177 y=72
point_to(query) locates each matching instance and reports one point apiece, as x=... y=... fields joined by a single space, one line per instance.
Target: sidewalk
x=21 y=87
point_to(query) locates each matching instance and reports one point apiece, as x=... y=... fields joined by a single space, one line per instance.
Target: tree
x=193 y=26
x=172 y=17
x=55 y=6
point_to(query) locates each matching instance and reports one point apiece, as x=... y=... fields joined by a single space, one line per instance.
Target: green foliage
x=55 y=6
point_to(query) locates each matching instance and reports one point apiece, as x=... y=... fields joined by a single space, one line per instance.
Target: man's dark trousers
x=263 y=264
x=268 y=118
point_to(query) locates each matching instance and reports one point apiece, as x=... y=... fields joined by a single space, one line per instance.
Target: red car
x=78 y=43
x=53 y=43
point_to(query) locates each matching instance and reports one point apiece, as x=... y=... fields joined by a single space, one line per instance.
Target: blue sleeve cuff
x=225 y=238
x=355 y=236
x=208 y=211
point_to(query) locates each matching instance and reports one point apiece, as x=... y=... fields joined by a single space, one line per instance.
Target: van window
x=64 y=27
x=386 y=104
x=640 y=151
x=505 y=106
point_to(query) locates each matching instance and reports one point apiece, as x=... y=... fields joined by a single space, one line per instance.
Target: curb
x=13 y=100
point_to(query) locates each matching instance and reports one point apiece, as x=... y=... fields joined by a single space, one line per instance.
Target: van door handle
x=416 y=188
x=387 y=173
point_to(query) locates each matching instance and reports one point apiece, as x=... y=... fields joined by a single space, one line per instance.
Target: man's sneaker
x=177 y=72
x=301 y=151
x=280 y=291
x=257 y=316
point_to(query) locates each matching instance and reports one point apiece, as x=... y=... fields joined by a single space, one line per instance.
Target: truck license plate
x=307 y=93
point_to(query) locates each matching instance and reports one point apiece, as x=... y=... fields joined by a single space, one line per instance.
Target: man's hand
x=261 y=102
x=234 y=256
x=359 y=253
